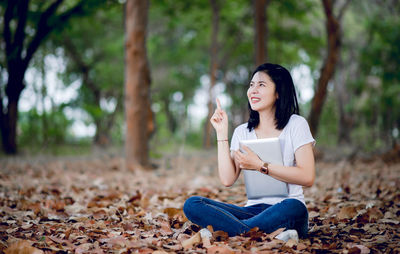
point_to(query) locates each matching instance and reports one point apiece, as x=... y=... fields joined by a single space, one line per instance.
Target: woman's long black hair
x=286 y=104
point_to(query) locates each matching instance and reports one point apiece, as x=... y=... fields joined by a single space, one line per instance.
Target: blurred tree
x=178 y=35
x=334 y=33
x=348 y=71
x=214 y=50
x=93 y=49
x=25 y=25
x=260 y=31
x=379 y=87
x=139 y=119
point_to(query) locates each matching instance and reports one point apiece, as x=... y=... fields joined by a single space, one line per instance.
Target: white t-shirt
x=295 y=134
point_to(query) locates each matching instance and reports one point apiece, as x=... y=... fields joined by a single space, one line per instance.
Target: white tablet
x=260 y=185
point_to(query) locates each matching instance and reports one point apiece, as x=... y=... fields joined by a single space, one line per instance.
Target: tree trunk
x=9 y=127
x=328 y=68
x=137 y=85
x=261 y=31
x=9 y=118
x=171 y=121
x=346 y=73
x=19 y=53
x=213 y=71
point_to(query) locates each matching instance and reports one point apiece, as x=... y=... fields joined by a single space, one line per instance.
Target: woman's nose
x=253 y=90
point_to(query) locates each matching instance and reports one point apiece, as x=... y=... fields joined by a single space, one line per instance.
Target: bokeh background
x=63 y=73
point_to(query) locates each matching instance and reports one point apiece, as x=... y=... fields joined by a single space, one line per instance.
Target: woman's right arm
x=228 y=170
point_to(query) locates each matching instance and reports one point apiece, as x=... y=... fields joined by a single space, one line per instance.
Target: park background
x=120 y=86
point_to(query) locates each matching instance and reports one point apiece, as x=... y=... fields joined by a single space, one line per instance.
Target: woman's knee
x=295 y=206
x=190 y=204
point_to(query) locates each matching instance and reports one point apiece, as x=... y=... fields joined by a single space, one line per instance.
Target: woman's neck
x=267 y=126
x=267 y=119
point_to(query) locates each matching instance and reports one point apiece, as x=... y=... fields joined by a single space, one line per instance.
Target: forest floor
x=93 y=205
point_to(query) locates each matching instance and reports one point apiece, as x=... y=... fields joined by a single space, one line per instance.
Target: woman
x=273 y=113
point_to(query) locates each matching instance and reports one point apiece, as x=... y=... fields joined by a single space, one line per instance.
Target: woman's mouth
x=254 y=99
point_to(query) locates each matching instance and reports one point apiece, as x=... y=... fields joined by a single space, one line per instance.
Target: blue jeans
x=289 y=214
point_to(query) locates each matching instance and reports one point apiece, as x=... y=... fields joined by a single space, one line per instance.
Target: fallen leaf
x=291 y=243
x=220 y=249
x=22 y=247
x=172 y=211
x=272 y=235
x=220 y=236
x=191 y=241
x=159 y=252
x=347 y=212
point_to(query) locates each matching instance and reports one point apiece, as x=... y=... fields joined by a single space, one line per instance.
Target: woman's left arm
x=304 y=171
x=302 y=174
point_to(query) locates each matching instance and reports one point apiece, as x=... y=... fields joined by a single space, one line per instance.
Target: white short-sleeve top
x=295 y=134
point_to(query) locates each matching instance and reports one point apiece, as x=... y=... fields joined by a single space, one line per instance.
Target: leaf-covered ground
x=93 y=205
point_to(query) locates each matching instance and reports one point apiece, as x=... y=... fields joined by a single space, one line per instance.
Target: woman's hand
x=248 y=160
x=219 y=121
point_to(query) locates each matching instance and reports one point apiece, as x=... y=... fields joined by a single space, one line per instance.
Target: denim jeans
x=289 y=214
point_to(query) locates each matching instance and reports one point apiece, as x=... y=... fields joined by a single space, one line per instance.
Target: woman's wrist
x=264 y=168
x=222 y=137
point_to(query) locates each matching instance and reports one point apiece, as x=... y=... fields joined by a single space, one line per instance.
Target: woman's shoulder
x=241 y=128
x=296 y=120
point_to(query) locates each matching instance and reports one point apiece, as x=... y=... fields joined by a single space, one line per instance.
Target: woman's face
x=261 y=93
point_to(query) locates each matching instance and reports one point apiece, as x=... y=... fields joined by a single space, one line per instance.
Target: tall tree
x=94 y=56
x=261 y=31
x=334 y=38
x=103 y=121
x=213 y=69
x=137 y=85
x=18 y=23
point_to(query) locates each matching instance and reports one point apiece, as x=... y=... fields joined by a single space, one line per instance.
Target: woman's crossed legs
x=289 y=214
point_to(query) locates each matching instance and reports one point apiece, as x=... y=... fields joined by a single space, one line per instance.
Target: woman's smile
x=254 y=99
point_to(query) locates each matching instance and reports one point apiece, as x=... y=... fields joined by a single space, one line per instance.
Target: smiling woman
x=274 y=112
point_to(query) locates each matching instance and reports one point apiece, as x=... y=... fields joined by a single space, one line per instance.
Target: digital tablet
x=260 y=185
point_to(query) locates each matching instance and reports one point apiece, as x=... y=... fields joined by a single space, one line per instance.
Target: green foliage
x=327 y=135
x=94 y=54
x=42 y=129
x=178 y=44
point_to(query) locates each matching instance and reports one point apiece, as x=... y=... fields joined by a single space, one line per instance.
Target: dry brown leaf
x=291 y=243
x=272 y=235
x=191 y=241
x=159 y=252
x=165 y=228
x=220 y=249
x=172 y=211
x=347 y=212
x=301 y=246
x=22 y=247
x=274 y=244
x=374 y=214
x=83 y=248
x=220 y=236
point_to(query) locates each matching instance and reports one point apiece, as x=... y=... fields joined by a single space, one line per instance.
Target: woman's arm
x=302 y=174
x=227 y=170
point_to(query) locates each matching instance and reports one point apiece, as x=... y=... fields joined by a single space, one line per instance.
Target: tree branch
x=19 y=36
x=43 y=29
x=342 y=9
x=8 y=15
x=82 y=66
